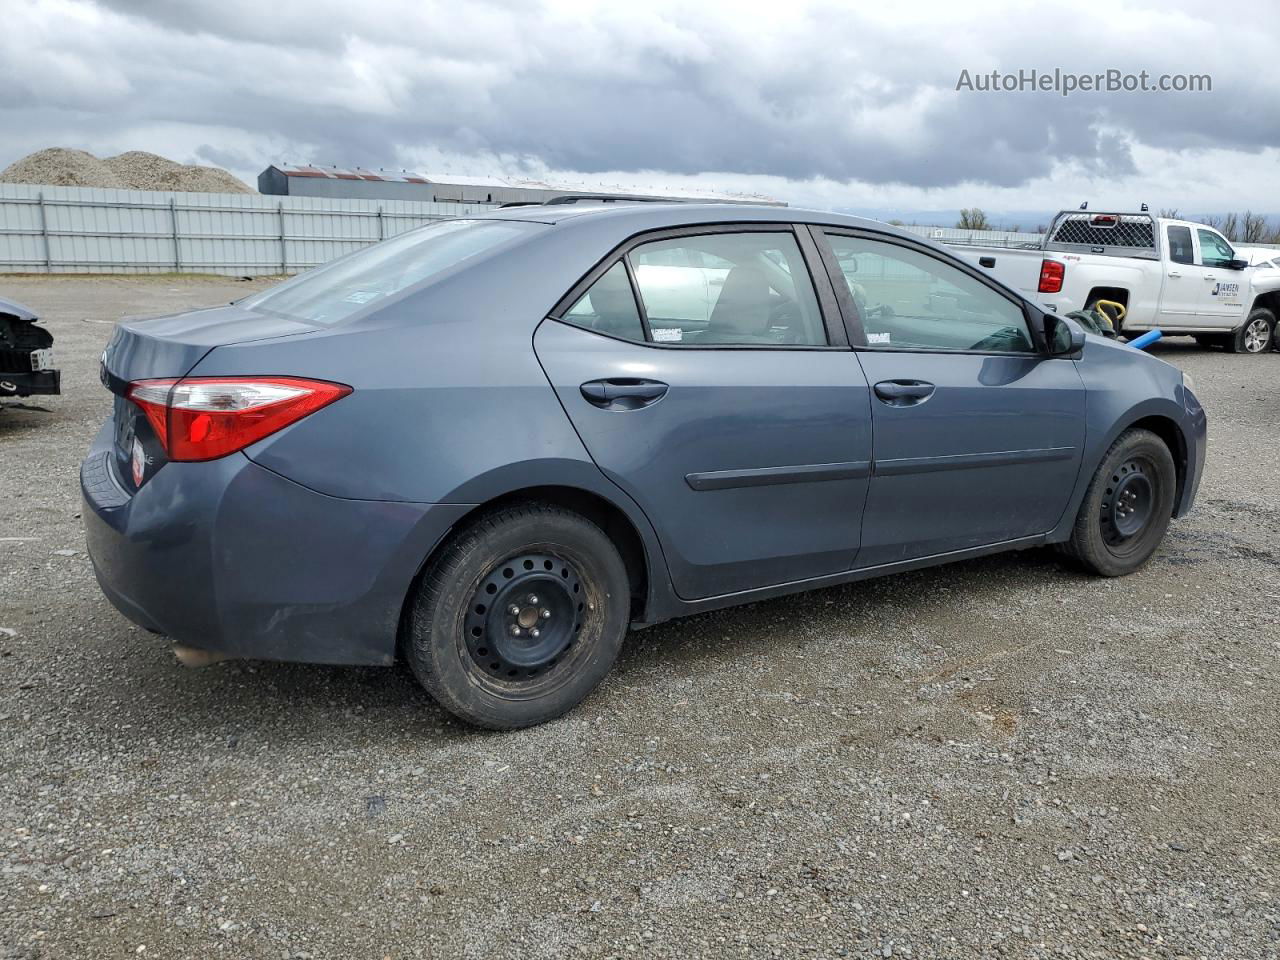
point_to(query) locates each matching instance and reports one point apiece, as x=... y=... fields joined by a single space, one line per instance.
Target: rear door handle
x=623 y=393
x=1174 y=273
x=903 y=393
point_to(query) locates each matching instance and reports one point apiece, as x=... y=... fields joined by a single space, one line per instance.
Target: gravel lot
x=998 y=758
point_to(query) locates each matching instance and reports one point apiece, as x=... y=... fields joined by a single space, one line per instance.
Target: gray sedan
x=490 y=446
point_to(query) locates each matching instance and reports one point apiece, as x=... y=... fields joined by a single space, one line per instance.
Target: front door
x=722 y=408
x=1221 y=289
x=978 y=436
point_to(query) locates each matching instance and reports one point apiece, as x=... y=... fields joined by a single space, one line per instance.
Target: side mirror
x=1237 y=264
x=1064 y=336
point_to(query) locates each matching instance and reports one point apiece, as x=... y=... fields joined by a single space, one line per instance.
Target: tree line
x=1247 y=227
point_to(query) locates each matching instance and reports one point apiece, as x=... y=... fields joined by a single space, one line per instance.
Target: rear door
x=1181 y=290
x=711 y=380
x=978 y=435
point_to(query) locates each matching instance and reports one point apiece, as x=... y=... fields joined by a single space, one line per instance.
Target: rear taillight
x=1051 y=275
x=203 y=418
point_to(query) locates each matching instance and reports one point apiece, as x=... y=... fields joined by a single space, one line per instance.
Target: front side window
x=909 y=300
x=728 y=289
x=331 y=293
x=1214 y=251
x=608 y=306
x=1180 y=245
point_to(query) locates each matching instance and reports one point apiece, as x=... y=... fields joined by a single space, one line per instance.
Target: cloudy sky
x=840 y=105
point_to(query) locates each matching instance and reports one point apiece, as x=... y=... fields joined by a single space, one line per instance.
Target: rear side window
x=609 y=306
x=908 y=300
x=1180 y=245
x=1214 y=251
x=332 y=293
x=728 y=289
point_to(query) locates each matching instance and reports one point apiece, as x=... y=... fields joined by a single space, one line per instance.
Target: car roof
x=604 y=225
x=653 y=216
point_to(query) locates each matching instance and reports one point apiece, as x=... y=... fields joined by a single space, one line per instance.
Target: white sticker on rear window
x=361 y=296
x=879 y=338
x=667 y=334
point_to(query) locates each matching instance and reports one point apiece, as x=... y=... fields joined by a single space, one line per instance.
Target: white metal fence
x=89 y=230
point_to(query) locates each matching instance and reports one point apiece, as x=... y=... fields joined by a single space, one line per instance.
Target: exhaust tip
x=193 y=658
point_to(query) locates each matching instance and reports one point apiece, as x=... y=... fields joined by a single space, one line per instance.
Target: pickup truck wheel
x=1256 y=334
x=519 y=617
x=1127 y=507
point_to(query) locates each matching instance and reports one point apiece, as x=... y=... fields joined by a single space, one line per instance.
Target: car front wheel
x=1127 y=507
x=519 y=617
x=1256 y=334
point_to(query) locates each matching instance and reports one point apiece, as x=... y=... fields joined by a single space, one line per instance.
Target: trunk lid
x=169 y=347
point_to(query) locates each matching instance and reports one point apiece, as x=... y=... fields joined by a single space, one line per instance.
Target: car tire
x=519 y=617
x=1255 y=334
x=1127 y=508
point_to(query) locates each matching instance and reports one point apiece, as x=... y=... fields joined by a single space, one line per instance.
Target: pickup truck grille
x=1127 y=232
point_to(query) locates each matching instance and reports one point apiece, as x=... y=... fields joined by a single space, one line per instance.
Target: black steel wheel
x=1128 y=505
x=525 y=616
x=519 y=617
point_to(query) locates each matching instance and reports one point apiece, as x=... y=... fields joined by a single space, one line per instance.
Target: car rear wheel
x=1256 y=334
x=520 y=616
x=1127 y=507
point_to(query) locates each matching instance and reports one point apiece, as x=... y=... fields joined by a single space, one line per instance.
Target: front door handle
x=903 y=393
x=623 y=393
x=1174 y=273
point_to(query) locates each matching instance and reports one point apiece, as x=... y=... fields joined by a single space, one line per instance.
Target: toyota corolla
x=489 y=446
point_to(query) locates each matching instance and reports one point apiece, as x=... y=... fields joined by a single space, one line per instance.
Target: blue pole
x=1146 y=340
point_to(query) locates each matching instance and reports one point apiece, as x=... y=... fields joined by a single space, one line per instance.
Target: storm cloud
x=791 y=92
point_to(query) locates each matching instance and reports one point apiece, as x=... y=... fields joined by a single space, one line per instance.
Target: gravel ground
x=998 y=758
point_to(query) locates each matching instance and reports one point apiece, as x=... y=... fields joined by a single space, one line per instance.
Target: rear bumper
x=30 y=383
x=228 y=556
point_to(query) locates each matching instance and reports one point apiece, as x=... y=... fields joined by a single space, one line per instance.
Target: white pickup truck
x=1175 y=275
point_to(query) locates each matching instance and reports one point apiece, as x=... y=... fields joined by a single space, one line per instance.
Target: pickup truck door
x=1181 y=290
x=1221 y=289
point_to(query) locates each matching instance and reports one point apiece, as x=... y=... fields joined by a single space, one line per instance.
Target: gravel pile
x=135 y=170
x=139 y=170
x=61 y=167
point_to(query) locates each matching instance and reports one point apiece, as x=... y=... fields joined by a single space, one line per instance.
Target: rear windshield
x=334 y=292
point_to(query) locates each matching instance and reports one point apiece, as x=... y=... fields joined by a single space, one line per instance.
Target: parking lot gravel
x=1000 y=758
